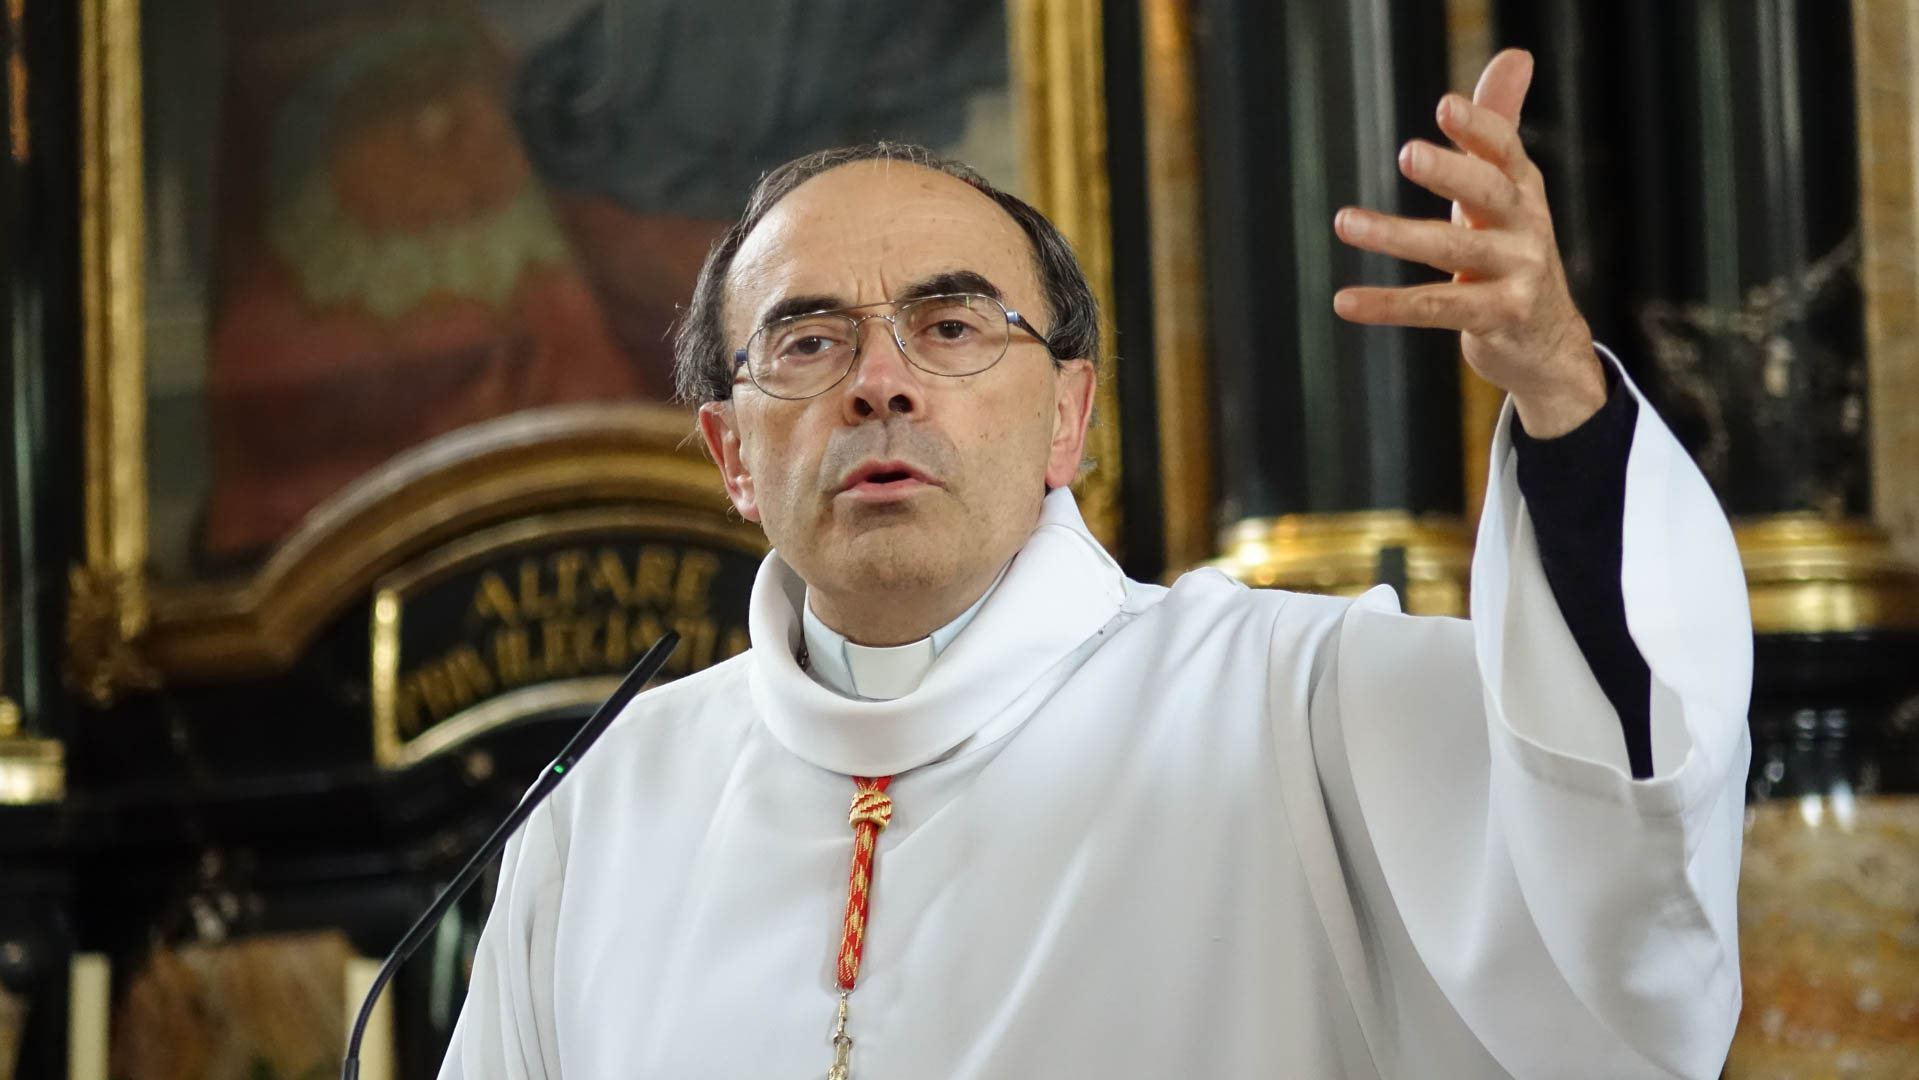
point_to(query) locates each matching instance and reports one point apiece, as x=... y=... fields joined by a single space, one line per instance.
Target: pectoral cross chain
x=842 y=1046
x=871 y=811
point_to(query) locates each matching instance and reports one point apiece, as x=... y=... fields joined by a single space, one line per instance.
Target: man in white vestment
x=1101 y=828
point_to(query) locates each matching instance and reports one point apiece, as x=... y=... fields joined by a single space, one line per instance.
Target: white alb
x=1149 y=832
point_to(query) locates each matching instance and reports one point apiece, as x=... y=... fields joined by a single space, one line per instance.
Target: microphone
x=570 y=755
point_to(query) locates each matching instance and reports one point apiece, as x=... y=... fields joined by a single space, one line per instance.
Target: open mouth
x=886 y=478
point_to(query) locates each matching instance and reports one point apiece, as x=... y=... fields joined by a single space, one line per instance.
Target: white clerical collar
x=878 y=673
x=1057 y=593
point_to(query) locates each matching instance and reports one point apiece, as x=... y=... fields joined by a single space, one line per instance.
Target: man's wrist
x=1567 y=402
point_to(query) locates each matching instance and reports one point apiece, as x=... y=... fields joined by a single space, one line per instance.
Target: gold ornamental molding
x=102 y=661
x=391 y=752
x=1810 y=575
x=391 y=747
x=1059 y=80
x=1176 y=223
x=107 y=603
x=31 y=771
x=113 y=305
x=1339 y=554
x=539 y=459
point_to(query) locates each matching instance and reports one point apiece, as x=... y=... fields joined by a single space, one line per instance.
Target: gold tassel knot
x=871 y=807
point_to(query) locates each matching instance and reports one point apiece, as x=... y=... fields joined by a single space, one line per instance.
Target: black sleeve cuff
x=1561 y=470
x=1575 y=490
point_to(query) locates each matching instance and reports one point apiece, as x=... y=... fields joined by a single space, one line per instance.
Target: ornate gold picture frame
x=130 y=628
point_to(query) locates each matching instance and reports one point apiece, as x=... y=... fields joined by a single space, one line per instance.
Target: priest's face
x=896 y=487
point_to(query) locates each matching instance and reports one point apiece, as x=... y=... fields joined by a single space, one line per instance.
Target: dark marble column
x=1582 y=142
x=1701 y=159
x=1304 y=108
x=1745 y=290
x=39 y=346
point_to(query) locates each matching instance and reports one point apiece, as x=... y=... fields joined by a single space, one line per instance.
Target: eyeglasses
x=953 y=335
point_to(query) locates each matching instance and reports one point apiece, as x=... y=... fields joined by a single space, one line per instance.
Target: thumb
x=1503 y=85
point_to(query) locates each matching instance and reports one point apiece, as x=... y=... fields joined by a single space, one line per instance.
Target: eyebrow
x=800 y=305
x=941 y=284
x=953 y=281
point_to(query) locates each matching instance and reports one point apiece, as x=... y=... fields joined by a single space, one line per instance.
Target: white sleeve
x=505 y=1030
x=1578 y=922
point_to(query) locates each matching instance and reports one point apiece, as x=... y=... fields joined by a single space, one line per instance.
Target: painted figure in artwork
x=432 y=213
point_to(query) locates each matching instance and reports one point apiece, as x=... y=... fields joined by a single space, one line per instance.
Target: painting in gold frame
x=134 y=624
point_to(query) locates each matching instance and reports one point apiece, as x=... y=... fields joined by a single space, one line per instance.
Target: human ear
x=717 y=426
x=1073 y=386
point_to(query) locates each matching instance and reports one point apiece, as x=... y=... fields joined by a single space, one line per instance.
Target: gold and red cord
x=872 y=809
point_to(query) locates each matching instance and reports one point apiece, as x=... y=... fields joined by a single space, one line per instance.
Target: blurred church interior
x=344 y=475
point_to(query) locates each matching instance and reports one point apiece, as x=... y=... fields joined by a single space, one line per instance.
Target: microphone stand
x=570 y=754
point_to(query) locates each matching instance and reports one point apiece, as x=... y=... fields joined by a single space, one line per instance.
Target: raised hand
x=1508 y=297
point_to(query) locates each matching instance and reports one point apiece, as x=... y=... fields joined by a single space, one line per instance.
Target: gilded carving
x=1807 y=574
x=103 y=661
x=32 y=771
x=1175 y=220
x=1060 y=77
x=1341 y=554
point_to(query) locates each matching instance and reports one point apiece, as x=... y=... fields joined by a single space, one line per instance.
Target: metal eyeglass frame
x=1013 y=318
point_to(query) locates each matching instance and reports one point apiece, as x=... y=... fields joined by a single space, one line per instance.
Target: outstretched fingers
x=1440 y=306
x=1438 y=244
x=1482 y=189
x=1485 y=134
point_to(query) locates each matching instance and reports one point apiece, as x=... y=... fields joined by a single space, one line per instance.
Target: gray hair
x=702 y=363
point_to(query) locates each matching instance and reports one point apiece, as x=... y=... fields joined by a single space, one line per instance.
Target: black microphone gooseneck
x=570 y=755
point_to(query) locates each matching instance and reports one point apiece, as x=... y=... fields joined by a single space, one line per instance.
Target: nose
x=882 y=384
